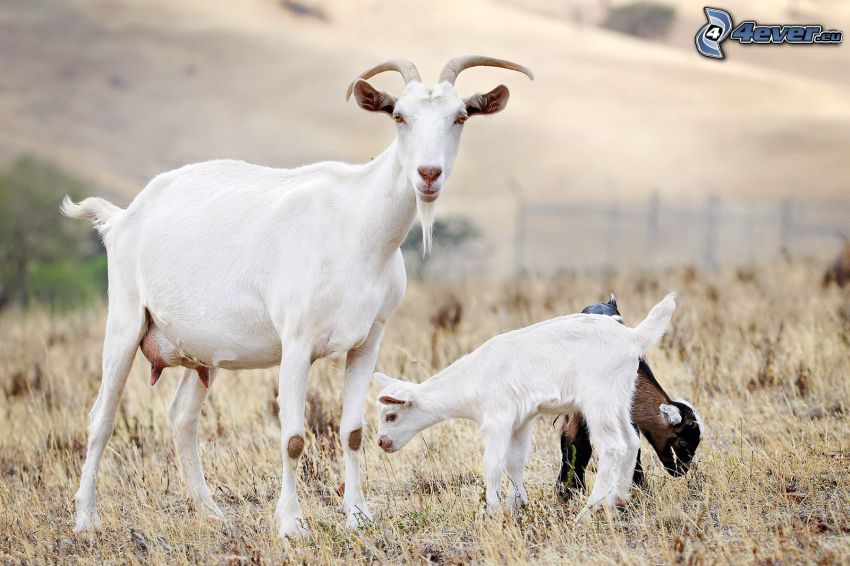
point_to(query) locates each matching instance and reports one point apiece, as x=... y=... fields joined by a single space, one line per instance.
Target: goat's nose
x=429 y=174
x=385 y=443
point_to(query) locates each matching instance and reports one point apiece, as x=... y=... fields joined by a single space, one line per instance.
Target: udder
x=163 y=354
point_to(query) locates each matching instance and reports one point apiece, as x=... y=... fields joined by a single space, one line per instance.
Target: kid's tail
x=649 y=332
x=101 y=213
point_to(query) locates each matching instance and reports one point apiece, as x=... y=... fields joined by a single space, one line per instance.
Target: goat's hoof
x=517 y=506
x=293 y=528
x=87 y=521
x=616 y=503
x=564 y=493
x=494 y=509
x=583 y=515
x=211 y=512
x=357 y=515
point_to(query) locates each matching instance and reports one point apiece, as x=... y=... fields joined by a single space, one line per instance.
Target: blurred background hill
x=622 y=110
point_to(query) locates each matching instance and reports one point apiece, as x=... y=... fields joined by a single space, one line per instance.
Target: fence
x=557 y=237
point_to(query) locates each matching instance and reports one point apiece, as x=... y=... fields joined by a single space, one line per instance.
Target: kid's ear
x=387 y=400
x=383 y=379
x=671 y=414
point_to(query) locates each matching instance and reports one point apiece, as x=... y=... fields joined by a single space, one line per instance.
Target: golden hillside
x=120 y=90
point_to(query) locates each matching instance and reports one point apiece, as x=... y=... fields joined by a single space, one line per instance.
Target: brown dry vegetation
x=763 y=353
x=118 y=91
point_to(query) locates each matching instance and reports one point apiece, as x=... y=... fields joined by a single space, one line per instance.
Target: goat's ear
x=671 y=413
x=373 y=100
x=613 y=301
x=383 y=379
x=489 y=102
x=388 y=400
x=560 y=423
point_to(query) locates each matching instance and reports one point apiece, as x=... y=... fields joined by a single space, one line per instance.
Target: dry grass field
x=763 y=353
x=119 y=91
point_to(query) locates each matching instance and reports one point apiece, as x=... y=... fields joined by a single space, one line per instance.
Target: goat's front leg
x=498 y=437
x=359 y=366
x=637 y=475
x=292 y=398
x=184 y=414
x=517 y=458
x=576 y=451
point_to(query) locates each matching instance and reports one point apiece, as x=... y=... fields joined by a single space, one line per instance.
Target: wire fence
x=553 y=238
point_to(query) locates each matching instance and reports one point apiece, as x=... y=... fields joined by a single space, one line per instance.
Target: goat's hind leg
x=626 y=464
x=184 y=414
x=125 y=323
x=608 y=444
x=617 y=444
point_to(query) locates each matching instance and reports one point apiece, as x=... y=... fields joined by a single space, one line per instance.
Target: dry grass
x=763 y=353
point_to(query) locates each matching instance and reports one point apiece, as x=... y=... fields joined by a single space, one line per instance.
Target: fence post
x=613 y=234
x=786 y=225
x=519 y=238
x=652 y=225
x=711 y=219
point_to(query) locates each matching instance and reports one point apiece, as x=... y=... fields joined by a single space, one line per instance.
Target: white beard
x=426 y=212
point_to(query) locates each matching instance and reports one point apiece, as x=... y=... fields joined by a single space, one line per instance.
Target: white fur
x=241 y=266
x=581 y=362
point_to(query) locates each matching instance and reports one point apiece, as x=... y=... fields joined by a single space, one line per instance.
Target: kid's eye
x=390 y=418
x=460 y=119
x=399 y=119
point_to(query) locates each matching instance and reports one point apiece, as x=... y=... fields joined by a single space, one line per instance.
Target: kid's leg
x=517 y=458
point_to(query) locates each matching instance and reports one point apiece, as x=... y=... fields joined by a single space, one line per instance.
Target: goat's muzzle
x=677 y=471
x=429 y=174
x=385 y=444
x=428 y=195
x=675 y=467
x=428 y=187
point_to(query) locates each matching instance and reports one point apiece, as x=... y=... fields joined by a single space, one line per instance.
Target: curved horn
x=453 y=68
x=408 y=71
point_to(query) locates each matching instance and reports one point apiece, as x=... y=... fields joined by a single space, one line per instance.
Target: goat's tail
x=649 y=332
x=101 y=213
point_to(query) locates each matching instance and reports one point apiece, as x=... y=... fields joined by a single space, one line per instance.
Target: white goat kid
x=581 y=362
x=233 y=265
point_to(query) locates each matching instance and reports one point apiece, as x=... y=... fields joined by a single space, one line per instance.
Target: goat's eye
x=390 y=418
x=399 y=119
x=460 y=119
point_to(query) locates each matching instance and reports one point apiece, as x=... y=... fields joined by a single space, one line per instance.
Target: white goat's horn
x=453 y=68
x=408 y=71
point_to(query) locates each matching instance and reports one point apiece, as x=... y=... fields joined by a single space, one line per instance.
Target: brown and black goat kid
x=672 y=427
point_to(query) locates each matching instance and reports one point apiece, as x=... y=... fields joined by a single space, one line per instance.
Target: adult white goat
x=233 y=265
x=579 y=363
